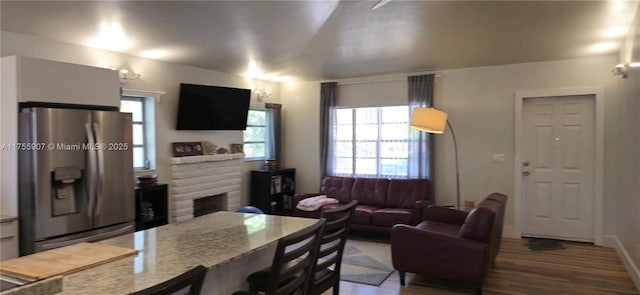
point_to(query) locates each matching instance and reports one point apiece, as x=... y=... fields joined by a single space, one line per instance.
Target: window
x=143 y=139
x=255 y=135
x=371 y=142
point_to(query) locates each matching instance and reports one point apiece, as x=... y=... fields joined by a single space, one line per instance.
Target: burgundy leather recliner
x=451 y=244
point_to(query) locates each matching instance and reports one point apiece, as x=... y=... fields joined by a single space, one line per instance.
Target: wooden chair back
x=334 y=238
x=192 y=279
x=294 y=261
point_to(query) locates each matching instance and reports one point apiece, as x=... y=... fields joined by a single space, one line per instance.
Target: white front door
x=558 y=156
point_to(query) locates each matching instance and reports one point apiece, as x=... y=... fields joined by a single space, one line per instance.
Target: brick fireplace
x=199 y=177
x=210 y=204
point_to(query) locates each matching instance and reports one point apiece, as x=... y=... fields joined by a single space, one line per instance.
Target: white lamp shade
x=428 y=120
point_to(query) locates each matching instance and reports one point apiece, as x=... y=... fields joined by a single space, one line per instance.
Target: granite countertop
x=167 y=251
x=48 y=286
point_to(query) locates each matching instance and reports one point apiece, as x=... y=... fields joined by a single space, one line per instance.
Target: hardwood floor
x=579 y=269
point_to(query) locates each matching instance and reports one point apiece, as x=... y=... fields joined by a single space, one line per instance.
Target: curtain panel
x=328 y=101
x=273 y=125
x=420 y=143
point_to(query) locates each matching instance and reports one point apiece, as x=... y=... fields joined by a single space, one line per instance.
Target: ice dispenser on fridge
x=68 y=190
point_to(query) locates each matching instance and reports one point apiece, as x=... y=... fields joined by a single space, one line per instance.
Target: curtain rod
x=144 y=91
x=156 y=94
x=387 y=78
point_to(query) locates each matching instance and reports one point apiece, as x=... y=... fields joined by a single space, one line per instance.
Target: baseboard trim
x=510 y=232
x=627 y=261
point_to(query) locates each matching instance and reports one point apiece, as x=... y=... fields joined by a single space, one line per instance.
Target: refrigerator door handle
x=99 y=149
x=91 y=170
x=94 y=238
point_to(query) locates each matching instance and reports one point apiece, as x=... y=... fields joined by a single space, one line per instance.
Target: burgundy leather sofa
x=451 y=244
x=382 y=203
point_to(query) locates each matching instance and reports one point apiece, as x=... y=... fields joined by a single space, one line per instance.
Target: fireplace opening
x=210 y=204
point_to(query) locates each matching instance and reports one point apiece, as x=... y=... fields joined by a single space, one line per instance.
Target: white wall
x=625 y=140
x=480 y=103
x=155 y=76
x=366 y=94
x=300 y=133
x=8 y=135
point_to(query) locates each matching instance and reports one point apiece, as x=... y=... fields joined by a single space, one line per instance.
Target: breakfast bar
x=229 y=244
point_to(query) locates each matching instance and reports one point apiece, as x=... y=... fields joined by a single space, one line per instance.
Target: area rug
x=366 y=262
x=538 y=244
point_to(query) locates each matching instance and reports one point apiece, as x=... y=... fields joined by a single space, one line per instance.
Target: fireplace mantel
x=205 y=158
x=201 y=176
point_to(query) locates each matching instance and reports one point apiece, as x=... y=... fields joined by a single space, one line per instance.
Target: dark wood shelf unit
x=272 y=190
x=152 y=206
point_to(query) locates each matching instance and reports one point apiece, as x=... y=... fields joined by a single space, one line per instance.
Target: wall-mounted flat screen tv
x=203 y=107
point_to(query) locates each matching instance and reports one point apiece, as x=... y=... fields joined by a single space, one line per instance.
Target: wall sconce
x=128 y=75
x=261 y=95
x=620 y=70
x=623 y=69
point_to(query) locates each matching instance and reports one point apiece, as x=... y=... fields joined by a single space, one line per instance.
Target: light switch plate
x=497 y=158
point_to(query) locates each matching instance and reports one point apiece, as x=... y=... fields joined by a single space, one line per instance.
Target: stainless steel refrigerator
x=76 y=178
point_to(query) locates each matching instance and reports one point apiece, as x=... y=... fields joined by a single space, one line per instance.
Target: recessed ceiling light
x=154 y=53
x=603 y=47
x=615 y=32
x=253 y=71
x=111 y=37
x=618 y=5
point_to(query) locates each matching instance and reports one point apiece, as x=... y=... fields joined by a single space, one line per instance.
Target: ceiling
x=320 y=40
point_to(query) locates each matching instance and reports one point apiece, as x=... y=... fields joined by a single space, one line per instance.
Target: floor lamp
x=434 y=121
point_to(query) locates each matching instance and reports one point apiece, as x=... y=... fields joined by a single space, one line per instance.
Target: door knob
x=526 y=173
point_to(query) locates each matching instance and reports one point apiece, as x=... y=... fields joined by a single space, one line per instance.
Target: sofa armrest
x=444 y=214
x=433 y=253
x=419 y=208
x=479 y=225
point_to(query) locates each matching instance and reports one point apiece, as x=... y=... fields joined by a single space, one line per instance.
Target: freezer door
x=90 y=236
x=115 y=202
x=54 y=197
